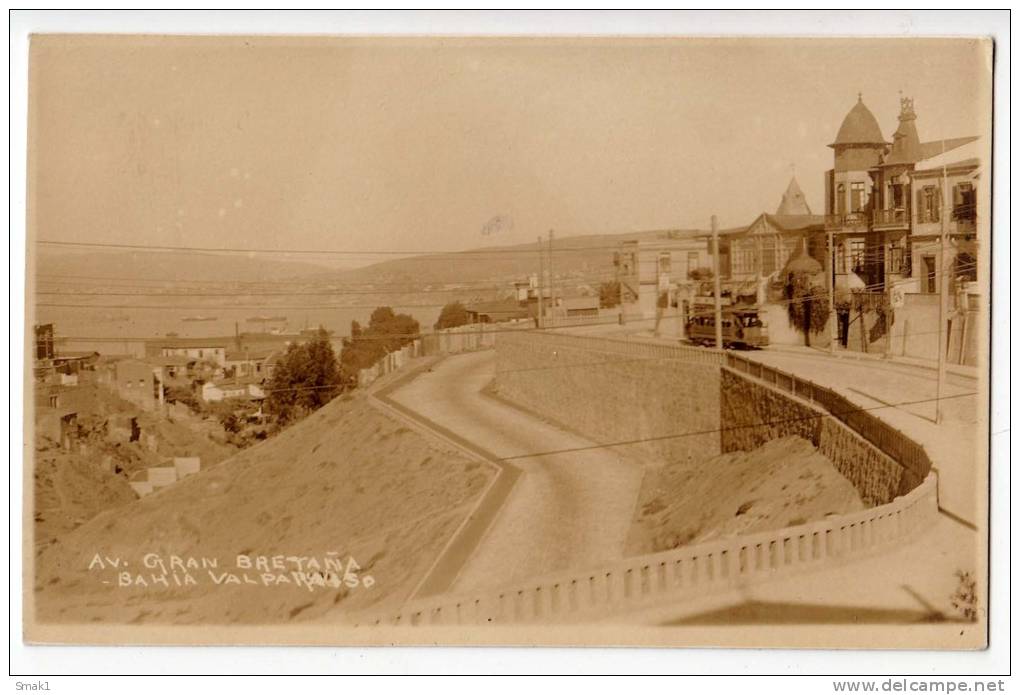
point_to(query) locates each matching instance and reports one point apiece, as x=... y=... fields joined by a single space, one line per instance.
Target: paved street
x=566 y=510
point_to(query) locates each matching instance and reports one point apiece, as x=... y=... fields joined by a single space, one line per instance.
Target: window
x=840 y=200
x=929 y=208
x=743 y=258
x=768 y=256
x=665 y=262
x=692 y=260
x=964 y=202
x=895 y=258
x=840 y=258
x=857 y=251
x=928 y=281
x=897 y=196
x=857 y=197
x=965 y=267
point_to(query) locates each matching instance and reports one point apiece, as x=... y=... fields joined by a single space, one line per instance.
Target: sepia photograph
x=671 y=341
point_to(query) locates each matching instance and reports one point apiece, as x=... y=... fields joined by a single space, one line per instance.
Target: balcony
x=965 y=227
x=891 y=219
x=965 y=218
x=850 y=220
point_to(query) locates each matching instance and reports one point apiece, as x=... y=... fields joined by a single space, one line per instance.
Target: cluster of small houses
x=214 y=369
x=209 y=366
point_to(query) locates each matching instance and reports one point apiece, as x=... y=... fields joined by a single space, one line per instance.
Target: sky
x=418 y=144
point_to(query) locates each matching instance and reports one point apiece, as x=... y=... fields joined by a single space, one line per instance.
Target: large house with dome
x=885 y=213
x=884 y=203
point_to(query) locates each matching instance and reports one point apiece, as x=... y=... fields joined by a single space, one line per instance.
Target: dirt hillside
x=783 y=483
x=70 y=490
x=346 y=483
x=71 y=487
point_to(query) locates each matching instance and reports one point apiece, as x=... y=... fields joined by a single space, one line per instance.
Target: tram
x=742 y=327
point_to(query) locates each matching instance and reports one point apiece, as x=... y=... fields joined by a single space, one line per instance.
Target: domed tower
x=849 y=189
x=858 y=148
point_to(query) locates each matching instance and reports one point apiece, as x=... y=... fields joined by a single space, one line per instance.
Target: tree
x=226 y=413
x=306 y=378
x=386 y=332
x=609 y=294
x=183 y=394
x=381 y=315
x=453 y=314
x=807 y=305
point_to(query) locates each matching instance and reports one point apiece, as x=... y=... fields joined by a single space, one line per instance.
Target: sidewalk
x=957 y=369
x=902 y=589
x=963 y=370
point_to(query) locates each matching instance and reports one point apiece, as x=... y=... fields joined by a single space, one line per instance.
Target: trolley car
x=741 y=328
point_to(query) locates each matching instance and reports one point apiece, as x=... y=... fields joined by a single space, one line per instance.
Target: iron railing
x=889 y=440
x=890 y=218
x=849 y=220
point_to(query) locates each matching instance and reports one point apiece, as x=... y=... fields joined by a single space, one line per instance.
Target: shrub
x=453 y=314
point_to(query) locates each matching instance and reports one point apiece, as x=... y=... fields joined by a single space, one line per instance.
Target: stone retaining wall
x=670 y=409
x=754 y=413
x=671 y=403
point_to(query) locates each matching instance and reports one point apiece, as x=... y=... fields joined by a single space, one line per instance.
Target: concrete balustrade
x=687 y=572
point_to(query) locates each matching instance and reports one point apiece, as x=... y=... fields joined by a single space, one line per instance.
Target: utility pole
x=943 y=279
x=888 y=299
x=830 y=285
x=541 y=280
x=552 y=280
x=718 y=284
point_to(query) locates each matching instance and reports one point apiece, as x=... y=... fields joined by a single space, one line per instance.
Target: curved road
x=566 y=510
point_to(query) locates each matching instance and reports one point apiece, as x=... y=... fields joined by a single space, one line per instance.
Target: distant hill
x=589 y=256
x=170 y=266
x=584 y=258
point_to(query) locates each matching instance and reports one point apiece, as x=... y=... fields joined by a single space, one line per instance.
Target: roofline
x=955 y=167
x=834 y=145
